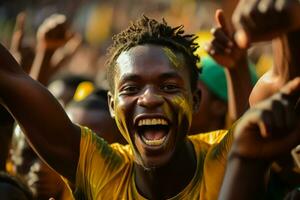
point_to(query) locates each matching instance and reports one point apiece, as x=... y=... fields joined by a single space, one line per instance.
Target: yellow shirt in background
x=106 y=171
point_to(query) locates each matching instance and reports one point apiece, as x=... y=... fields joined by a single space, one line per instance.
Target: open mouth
x=153 y=131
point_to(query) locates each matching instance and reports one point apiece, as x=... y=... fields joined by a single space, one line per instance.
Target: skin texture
x=252 y=22
x=286 y=67
x=23 y=54
x=224 y=50
x=55 y=45
x=273 y=120
x=60 y=150
x=273 y=128
x=146 y=84
x=226 y=53
x=149 y=84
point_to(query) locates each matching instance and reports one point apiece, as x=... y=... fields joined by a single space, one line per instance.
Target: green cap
x=213 y=76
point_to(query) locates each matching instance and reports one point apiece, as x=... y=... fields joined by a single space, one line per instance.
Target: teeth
x=154 y=142
x=154 y=121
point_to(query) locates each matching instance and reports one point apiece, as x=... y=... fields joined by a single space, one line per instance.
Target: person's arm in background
x=261 y=20
x=24 y=54
x=266 y=132
x=256 y=21
x=6 y=120
x=50 y=132
x=55 y=45
x=234 y=60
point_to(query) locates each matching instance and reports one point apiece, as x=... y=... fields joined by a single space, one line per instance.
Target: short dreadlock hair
x=150 y=31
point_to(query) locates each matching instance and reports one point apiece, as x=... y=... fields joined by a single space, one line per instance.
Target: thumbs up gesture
x=223 y=48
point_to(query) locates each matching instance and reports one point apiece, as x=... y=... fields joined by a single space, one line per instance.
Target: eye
x=130 y=89
x=170 y=88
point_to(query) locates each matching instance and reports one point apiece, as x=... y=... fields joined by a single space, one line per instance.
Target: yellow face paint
x=146 y=64
x=185 y=109
x=173 y=57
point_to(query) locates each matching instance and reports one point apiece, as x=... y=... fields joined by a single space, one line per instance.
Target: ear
x=111 y=104
x=196 y=100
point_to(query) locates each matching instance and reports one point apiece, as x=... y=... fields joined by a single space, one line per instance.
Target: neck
x=168 y=180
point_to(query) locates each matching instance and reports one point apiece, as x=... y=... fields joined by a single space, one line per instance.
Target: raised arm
x=234 y=60
x=24 y=54
x=260 y=20
x=50 y=132
x=55 y=45
x=265 y=133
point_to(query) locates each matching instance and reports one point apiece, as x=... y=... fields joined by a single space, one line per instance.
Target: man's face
x=152 y=102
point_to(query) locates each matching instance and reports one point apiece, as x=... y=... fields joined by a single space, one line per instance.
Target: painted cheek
x=185 y=109
x=120 y=118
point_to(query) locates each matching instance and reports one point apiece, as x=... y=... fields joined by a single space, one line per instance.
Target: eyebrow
x=161 y=77
x=170 y=75
x=129 y=77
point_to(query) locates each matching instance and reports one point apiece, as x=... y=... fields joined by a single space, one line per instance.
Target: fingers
x=54 y=31
x=259 y=20
x=220 y=44
x=278 y=114
x=281 y=146
x=66 y=52
x=20 y=21
x=221 y=21
x=292 y=90
x=243 y=22
x=242 y=39
x=222 y=37
x=18 y=33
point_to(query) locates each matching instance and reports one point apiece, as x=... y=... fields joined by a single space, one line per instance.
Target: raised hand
x=53 y=32
x=225 y=52
x=23 y=54
x=223 y=48
x=18 y=32
x=271 y=128
x=264 y=134
x=56 y=44
x=257 y=20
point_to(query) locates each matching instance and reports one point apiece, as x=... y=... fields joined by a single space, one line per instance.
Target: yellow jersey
x=106 y=171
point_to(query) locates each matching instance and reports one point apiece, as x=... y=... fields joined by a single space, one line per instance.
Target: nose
x=150 y=99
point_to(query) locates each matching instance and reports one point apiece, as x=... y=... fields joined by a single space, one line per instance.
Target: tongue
x=154 y=134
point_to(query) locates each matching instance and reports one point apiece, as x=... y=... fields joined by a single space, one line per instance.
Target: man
x=153 y=94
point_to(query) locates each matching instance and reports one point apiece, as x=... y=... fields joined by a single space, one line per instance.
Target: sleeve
x=214 y=167
x=96 y=166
